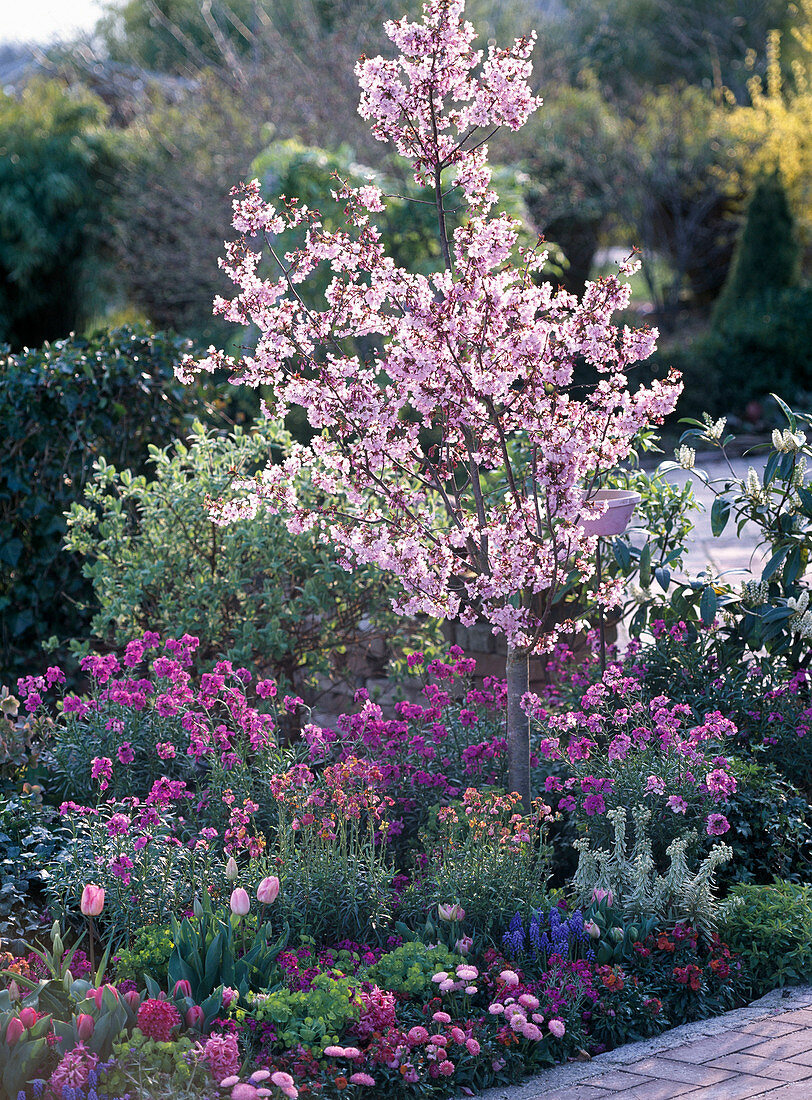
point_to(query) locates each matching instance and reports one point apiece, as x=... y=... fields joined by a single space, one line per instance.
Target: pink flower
x=473 y=1046
x=557 y=1028
x=166 y=750
x=509 y=978
x=284 y=1081
x=446 y=1068
x=451 y=912
x=677 y=804
x=158 y=1019
x=655 y=784
x=73 y=1070
x=268 y=890
x=222 y=1055
x=361 y=1079
x=240 y=902
x=718 y=825
x=92 y=901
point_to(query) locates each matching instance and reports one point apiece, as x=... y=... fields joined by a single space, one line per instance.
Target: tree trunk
x=518 y=725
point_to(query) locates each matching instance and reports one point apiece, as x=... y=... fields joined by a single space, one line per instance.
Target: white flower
x=686 y=457
x=755 y=593
x=751 y=487
x=788 y=442
x=714 y=429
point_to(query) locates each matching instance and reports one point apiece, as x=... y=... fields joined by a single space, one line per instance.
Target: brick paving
x=762 y=1050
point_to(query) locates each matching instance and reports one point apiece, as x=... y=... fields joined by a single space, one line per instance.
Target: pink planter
x=620 y=505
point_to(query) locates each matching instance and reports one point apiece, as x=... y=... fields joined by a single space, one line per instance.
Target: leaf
x=786 y=410
x=792 y=567
x=771 y=467
x=720 y=513
x=663 y=577
x=708 y=605
x=645 y=565
x=774 y=562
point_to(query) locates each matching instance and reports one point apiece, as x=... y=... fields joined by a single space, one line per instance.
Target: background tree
x=56 y=173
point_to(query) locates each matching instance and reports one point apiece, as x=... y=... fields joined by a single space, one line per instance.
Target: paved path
x=762 y=1050
x=728 y=552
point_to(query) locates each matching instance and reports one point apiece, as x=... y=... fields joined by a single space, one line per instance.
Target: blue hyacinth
x=546 y=935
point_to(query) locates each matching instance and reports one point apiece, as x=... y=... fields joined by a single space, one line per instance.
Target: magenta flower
x=718 y=825
x=677 y=804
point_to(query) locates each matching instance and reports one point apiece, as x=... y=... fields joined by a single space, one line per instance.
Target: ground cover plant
x=229 y=898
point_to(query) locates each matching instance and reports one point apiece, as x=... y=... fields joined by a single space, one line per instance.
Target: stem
x=517 y=671
x=92 y=949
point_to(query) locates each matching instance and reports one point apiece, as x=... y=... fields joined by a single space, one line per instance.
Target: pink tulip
x=231 y=869
x=92 y=901
x=14 y=1030
x=240 y=902
x=85 y=1026
x=98 y=994
x=14 y=992
x=195 y=1018
x=268 y=890
x=28 y=1016
x=451 y=912
x=133 y=999
x=182 y=988
x=599 y=894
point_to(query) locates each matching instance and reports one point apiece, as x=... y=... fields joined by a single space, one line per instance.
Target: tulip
x=231 y=869
x=451 y=912
x=463 y=945
x=14 y=991
x=85 y=1026
x=195 y=1018
x=592 y=930
x=91 y=905
x=182 y=988
x=28 y=1016
x=599 y=895
x=240 y=902
x=14 y=1030
x=133 y=999
x=268 y=890
x=92 y=901
x=98 y=994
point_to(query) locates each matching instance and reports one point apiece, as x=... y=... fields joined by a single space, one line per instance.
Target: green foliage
x=571 y=152
x=30 y=836
x=164 y=877
x=410 y=967
x=770 y=834
x=22 y=740
x=314 y=1017
x=149 y=953
x=265 y=598
x=771 y=929
x=148 y=1067
x=23 y=1061
x=629 y=871
x=62 y=407
x=767 y=256
x=211 y=951
x=57 y=162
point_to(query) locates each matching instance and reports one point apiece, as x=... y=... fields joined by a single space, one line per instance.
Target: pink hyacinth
x=157 y=1019
x=221 y=1054
x=73 y=1070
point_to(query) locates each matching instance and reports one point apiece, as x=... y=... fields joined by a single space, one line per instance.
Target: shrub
x=410 y=967
x=771 y=929
x=767 y=255
x=62 y=406
x=56 y=174
x=277 y=602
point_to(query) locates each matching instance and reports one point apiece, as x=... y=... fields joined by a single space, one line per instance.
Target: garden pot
x=614 y=521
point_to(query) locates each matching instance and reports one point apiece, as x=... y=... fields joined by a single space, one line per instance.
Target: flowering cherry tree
x=460 y=452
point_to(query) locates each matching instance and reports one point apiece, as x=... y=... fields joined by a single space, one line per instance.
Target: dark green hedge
x=61 y=407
